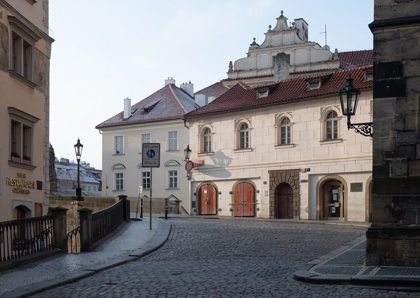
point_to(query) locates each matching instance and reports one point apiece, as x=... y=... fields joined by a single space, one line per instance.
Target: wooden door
x=207 y=200
x=244 y=200
x=284 y=201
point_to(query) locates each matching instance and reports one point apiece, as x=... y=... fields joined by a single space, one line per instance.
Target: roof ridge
x=177 y=99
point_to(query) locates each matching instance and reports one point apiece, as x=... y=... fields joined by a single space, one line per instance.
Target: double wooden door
x=207 y=200
x=243 y=200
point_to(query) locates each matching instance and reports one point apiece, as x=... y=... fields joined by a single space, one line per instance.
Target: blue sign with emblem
x=150 y=155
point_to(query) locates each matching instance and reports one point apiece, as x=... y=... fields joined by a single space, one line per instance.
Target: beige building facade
x=25 y=52
x=283 y=151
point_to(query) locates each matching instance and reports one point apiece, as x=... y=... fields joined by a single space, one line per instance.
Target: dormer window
x=263 y=92
x=368 y=74
x=314 y=84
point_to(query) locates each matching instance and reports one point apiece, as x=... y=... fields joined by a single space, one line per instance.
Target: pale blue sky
x=108 y=50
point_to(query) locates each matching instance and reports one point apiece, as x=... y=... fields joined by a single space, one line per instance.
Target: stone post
x=394 y=236
x=60 y=227
x=126 y=207
x=86 y=236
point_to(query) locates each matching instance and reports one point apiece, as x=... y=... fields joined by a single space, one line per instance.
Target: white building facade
x=156 y=119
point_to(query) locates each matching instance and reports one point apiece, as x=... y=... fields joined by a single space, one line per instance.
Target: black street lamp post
x=78 y=148
x=349 y=97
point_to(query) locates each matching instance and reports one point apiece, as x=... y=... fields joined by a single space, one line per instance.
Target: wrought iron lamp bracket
x=365 y=128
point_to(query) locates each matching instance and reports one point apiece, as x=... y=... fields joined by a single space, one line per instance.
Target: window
x=21 y=56
x=145 y=138
x=262 y=93
x=331 y=126
x=243 y=136
x=173 y=178
x=285 y=137
x=172 y=140
x=206 y=140
x=119 y=181
x=21 y=134
x=145 y=179
x=119 y=145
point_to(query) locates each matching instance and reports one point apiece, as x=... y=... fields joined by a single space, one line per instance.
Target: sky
x=105 y=51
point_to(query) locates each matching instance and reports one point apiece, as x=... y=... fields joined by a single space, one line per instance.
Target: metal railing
x=73 y=241
x=24 y=237
x=106 y=221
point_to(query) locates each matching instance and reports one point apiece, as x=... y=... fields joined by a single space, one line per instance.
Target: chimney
x=127 y=107
x=188 y=87
x=169 y=80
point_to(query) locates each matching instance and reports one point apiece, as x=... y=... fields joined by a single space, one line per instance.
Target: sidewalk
x=133 y=241
x=347 y=266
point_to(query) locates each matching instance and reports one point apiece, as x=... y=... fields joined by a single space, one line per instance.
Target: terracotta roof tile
x=239 y=97
x=168 y=103
x=355 y=58
x=215 y=90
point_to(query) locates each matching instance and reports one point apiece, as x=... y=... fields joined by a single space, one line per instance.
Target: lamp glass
x=187 y=152
x=78 y=148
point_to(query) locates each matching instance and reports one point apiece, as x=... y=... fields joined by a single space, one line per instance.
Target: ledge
x=242 y=150
x=205 y=154
x=22 y=78
x=21 y=165
x=327 y=142
x=284 y=146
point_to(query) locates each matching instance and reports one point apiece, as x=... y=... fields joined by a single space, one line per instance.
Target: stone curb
x=309 y=274
x=157 y=241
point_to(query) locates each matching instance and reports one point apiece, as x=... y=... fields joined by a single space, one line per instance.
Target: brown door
x=244 y=200
x=207 y=200
x=284 y=201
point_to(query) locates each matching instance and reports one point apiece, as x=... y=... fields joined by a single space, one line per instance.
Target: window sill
x=284 y=146
x=118 y=190
x=205 y=153
x=243 y=150
x=20 y=165
x=327 y=142
x=22 y=78
x=172 y=188
x=172 y=150
x=118 y=154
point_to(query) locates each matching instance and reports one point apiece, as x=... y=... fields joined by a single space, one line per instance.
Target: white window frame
x=173 y=179
x=206 y=140
x=285 y=129
x=144 y=140
x=243 y=136
x=118 y=181
x=118 y=146
x=145 y=177
x=173 y=140
x=333 y=123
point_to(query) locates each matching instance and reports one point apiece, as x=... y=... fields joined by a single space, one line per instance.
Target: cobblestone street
x=227 y=258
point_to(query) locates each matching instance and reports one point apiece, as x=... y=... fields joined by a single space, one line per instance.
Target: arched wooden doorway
x=283 y=201
x=243 y=200
x=332 y=200
x=22 y=212
x=207 y=200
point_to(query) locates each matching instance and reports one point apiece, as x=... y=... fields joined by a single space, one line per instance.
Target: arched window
x=331 y=126
x=285 y=131
x=206 y=140
x=243 y=136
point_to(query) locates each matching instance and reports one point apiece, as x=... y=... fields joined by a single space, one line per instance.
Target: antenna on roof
x=325 y=32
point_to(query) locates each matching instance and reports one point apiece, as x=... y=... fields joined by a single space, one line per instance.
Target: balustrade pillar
x=86 y=235
x=60 y=227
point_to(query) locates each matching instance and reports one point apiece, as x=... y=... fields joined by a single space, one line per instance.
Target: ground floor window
x=119 y=181
x=173 y=179
x=145 y=179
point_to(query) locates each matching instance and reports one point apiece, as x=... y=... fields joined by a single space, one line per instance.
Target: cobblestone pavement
x=227 y=258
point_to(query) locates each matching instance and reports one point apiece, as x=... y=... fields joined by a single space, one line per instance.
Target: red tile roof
x=240 y=97
x=355 y=58
x=168 y=103
x=214 y=90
